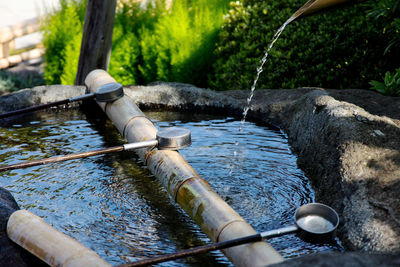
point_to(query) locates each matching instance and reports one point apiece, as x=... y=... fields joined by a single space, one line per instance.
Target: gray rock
x=39 y=95
x=349 y=259
x=12 y=254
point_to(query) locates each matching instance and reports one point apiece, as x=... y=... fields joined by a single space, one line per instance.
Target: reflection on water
x=113 y=205
x=315 y=224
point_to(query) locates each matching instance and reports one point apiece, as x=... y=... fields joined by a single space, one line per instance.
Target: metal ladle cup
x=106 y=93
x=172 y=138
x=317 y=219
x=313 y=222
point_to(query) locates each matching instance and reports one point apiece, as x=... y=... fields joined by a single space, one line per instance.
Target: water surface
x=113 y=205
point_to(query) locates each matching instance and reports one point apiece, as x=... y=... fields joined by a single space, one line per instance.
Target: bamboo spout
x=316 y=6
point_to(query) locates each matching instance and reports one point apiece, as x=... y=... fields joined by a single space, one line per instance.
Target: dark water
x=113 y=205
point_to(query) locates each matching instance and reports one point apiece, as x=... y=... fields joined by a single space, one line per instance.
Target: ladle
x=172 y=138
x=107 y=93
x=311 y=220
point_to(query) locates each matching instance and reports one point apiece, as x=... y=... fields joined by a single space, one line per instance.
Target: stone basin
x=347 y=142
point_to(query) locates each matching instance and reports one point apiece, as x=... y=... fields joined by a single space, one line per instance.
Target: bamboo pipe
x=315 y=6
x=214 y=216
x=53 y=247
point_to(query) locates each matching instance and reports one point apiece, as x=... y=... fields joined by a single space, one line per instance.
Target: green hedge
x=344 y=48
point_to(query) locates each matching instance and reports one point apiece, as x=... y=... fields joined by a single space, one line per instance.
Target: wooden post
x=214 y=216
x=97 y=38
x=4 y=50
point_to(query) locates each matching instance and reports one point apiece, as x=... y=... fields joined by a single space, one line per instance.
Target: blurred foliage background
x=219 y=44
x=150 y=42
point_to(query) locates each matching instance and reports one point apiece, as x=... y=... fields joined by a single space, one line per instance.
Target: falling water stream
x=260 y=68
x=115 y=206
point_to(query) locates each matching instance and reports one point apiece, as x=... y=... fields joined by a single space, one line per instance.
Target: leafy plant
x=6 y=84
x=390 y=85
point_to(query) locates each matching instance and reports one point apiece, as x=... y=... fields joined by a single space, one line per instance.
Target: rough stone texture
x=347 y=142
x=353 y=160
x=10 y=253
x=350 y=259
x=40 y=95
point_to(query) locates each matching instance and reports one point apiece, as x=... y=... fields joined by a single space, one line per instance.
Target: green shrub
x=62 y=31
x=71 y=58
x=124 y=57
x=338 y=49
x=6 y=83
x=133 y=37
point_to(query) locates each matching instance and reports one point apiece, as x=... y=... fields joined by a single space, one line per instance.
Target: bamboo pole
x=53 y=247
x=215 y=217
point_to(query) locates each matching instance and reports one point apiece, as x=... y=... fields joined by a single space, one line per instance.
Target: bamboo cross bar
x=61 y=158
x=214 y=216
x=45 y=242
x=172 y=138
